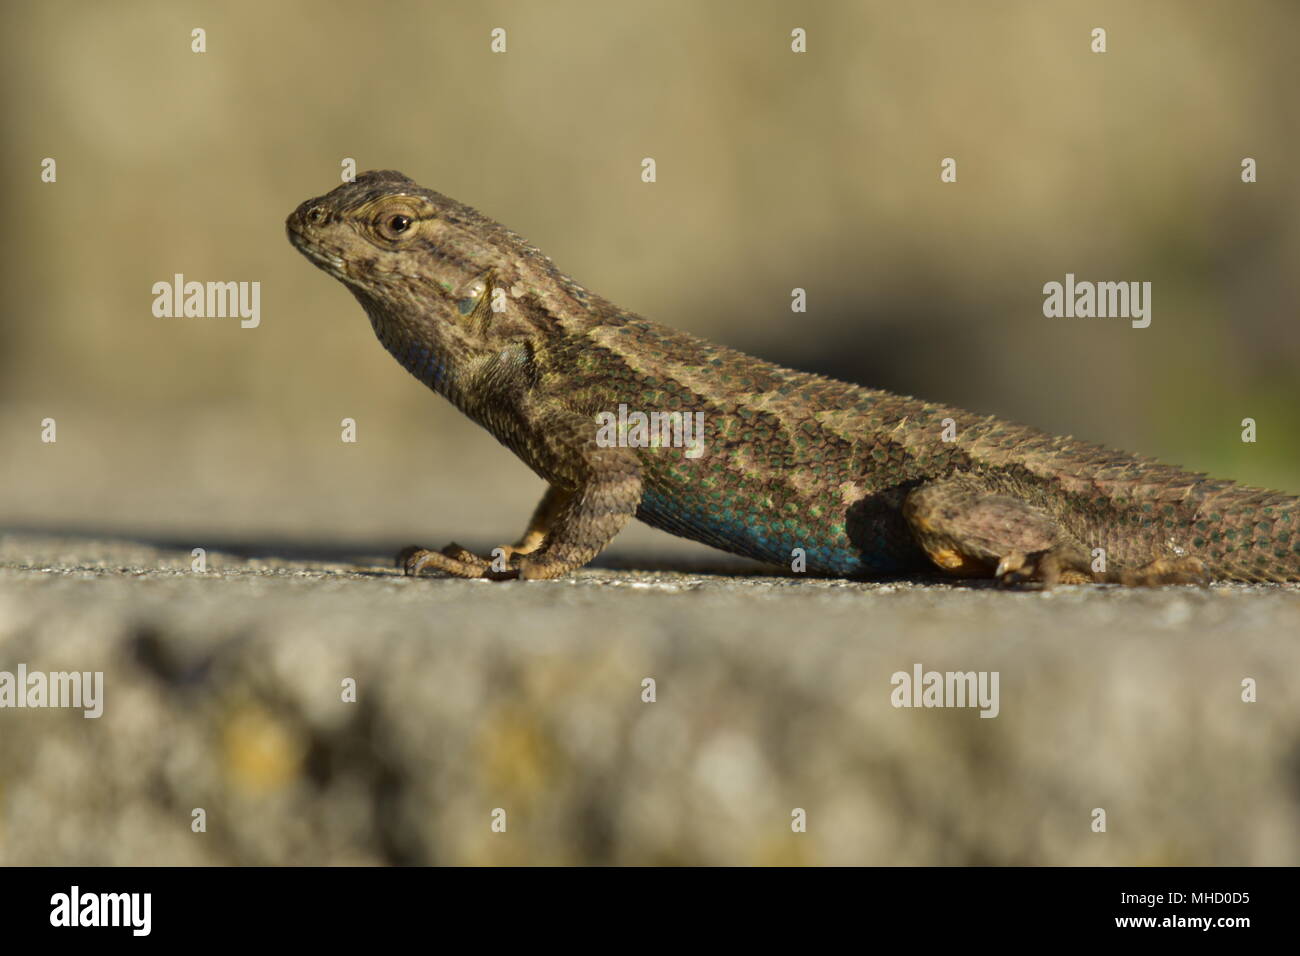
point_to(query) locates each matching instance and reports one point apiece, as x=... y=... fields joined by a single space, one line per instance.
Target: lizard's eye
x=395 y=226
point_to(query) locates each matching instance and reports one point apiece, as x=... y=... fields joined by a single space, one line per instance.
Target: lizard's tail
x=1249 y=534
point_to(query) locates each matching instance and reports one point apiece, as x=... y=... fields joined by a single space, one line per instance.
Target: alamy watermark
x=75 y=908
x=946 y=689
x=77 y=689
x=208 y=300
x=1102 y=300
x=626 y=429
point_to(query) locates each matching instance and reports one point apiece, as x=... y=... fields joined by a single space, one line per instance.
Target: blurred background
x=775 y=170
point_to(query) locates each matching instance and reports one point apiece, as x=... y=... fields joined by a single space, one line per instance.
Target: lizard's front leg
x=460 y=561
x=569 y=526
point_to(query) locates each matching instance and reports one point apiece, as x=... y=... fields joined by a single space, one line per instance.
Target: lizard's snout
x=309 y=214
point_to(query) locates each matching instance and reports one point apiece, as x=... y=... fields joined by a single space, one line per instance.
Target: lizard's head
x=382 y=230
x=424 y=265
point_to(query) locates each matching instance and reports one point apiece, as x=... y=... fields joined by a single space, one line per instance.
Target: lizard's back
x=795 y=460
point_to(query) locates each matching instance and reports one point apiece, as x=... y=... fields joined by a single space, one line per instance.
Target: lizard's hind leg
x=970 y=529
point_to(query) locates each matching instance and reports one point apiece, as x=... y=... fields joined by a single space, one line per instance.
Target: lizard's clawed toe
x=1046 y=569
x=412 y=560
x=459 y=562
x=462 y=554
x=405 y=557
x=1008 y=567
x=1165 y=571
x=415 y=561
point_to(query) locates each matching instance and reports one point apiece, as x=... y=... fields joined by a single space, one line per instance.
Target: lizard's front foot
x=459 y=562
x=508 y=563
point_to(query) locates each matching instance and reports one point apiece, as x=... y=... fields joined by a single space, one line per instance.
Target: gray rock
x=223 y=691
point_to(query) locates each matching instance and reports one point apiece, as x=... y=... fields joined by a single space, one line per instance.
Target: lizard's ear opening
x=474 y=298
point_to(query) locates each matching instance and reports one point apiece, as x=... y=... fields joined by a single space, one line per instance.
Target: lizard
x=791 y=468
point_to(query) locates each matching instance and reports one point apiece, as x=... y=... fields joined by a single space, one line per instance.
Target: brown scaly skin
x=849 y=480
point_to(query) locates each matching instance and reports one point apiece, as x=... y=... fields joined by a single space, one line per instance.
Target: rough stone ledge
x=223 y=691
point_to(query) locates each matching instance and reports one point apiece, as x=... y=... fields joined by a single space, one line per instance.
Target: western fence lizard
x=791 y=468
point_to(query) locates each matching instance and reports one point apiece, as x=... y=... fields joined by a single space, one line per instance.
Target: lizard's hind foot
x=1162 y=571
x=1048 y=568
x=970 y=529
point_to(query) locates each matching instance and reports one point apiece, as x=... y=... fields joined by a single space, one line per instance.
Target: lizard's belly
x=772 y=535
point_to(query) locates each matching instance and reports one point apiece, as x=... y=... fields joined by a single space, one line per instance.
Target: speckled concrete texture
x=524 y=702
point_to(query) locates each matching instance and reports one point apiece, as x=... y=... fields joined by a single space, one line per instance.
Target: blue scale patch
x=421 y=362
x=738 y=532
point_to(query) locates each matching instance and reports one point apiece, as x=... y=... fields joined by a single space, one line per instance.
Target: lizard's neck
x=484 y=384
x=417 y=350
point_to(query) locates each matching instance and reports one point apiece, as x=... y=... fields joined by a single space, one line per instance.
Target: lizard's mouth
x=326 y=259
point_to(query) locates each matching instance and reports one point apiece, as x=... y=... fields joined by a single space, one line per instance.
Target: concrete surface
x=222 y=691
